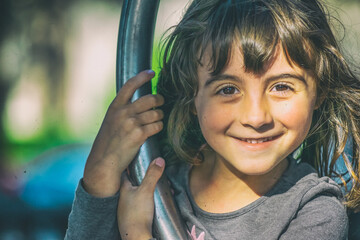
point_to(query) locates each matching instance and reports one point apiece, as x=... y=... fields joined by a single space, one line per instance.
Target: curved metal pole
x=134 y=54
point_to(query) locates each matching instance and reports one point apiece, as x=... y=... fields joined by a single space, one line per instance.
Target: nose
x=255 y=113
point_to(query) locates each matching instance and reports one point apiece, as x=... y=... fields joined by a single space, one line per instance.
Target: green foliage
x=156 y=65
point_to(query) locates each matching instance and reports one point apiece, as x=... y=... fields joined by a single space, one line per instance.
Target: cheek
x=213 y=119
x=296 y=116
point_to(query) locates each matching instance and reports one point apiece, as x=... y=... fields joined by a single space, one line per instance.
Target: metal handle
x=134 y=54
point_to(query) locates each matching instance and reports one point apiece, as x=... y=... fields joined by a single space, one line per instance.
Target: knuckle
x=156 y=127
x=155 y=115
x=139 y=134
x=128 y=127
x=116 y=113
x=121 y=113
x=130 y=123
x=160 y=114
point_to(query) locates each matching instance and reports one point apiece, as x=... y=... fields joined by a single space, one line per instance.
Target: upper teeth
x=256 y=140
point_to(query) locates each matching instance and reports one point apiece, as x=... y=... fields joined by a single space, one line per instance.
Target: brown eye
x=281 y=87
x=282 y=90
x=229 y=90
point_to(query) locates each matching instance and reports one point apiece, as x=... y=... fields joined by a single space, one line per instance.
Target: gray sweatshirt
x=300 y=206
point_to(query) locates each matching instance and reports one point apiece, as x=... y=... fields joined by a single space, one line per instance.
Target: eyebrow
x=221 y=77
x=286 y=75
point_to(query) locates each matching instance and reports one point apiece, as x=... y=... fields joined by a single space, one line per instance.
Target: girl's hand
x=125 y=128
x=136 y=204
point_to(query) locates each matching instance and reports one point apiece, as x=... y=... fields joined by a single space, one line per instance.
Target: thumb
x=153 y=174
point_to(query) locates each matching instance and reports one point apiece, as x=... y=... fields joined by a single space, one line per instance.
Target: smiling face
x=254 y=121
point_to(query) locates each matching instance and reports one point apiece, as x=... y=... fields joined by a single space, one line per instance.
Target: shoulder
x=302 y=179
x=300 y=186
x=323 y=217
x=320 y=213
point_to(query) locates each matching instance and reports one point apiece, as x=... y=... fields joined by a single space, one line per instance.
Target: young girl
x=257 y=101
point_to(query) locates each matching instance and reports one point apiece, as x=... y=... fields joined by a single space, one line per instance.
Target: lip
x=257 y=144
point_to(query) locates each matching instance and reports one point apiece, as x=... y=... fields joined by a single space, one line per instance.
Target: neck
x=219 y=188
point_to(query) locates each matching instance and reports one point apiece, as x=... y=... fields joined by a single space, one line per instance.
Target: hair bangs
x=245 y=25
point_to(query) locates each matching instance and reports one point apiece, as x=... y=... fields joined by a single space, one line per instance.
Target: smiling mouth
x=258 y=140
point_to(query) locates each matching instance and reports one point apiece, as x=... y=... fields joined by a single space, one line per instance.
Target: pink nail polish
x=160 y=162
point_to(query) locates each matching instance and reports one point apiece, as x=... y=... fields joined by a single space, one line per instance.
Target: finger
x=150 y=116
x=139 y=134
x=128 y=89
x=134 y=139
x=143 y=119
x=147 y=102
x=153 y=174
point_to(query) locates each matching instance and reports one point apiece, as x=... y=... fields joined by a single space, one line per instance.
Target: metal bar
x=134 y=54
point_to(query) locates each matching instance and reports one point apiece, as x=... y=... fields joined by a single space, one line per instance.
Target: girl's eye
x=282 y=87
x=228 y=90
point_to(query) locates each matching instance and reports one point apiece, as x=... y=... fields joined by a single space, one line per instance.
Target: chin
x=259 y=167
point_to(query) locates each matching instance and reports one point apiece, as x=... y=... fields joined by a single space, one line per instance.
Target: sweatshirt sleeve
x=322 y=218
x=92 y=217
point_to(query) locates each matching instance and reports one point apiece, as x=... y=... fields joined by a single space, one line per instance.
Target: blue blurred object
x=51 y=179
x=39 y=211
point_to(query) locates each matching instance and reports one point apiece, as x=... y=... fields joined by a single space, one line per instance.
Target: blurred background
x=57 y=77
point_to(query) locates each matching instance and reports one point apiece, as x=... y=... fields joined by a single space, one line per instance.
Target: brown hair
x=302 y=28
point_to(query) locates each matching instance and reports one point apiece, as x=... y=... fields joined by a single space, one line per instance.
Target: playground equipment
x=134 y=54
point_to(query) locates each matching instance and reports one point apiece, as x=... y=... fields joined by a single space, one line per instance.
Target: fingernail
x=150 y=71
x=160 y=162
